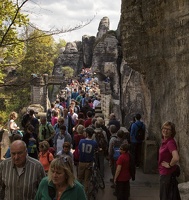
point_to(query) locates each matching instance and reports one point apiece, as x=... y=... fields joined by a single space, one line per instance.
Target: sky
x=57 y=14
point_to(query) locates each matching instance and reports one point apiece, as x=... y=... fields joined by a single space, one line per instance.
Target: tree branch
x=12 y=22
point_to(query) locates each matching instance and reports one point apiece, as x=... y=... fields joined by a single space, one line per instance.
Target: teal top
x=71 y=193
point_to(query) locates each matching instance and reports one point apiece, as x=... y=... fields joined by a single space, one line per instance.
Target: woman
x=66 y=151
x=45 y=157
x=122 y=174
x=12 y=126
x=168 y=159
x=60 y=183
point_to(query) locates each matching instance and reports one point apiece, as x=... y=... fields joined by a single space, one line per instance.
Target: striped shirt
x=20 y=187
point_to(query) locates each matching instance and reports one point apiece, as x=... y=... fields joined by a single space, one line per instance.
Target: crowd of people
x=40 y=163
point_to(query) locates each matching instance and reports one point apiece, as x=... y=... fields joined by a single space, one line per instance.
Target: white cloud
x=48 y=14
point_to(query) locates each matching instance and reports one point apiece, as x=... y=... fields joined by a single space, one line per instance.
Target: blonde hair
x=100 y=120
x=80 y=129
x=13 y=114
x=63 y=164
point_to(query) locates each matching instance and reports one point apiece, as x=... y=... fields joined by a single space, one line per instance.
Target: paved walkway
x=145 y=187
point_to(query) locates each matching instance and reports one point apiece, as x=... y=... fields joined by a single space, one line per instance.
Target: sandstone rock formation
x=154 y=38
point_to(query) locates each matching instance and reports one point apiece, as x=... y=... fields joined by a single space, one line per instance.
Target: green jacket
x=71 y=193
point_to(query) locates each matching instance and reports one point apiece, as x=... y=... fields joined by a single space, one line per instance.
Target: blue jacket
x=134 y=128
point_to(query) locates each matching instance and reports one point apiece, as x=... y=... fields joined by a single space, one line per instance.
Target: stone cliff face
x=154 y=37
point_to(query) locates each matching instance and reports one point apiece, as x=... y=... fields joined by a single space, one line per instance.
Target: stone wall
x=155 y=43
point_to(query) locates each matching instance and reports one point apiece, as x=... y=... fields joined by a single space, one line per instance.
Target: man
x=136 y=145
x=29 y=118
x=46 y=131
x=87 y=149
x=20 y=175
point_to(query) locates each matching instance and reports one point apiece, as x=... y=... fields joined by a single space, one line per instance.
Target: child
x=45 y=157
x=30 y=138
x=15 y=137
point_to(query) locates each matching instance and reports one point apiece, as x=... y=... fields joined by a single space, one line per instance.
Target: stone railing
x=184 y=190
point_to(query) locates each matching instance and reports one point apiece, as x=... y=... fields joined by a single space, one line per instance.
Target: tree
x=67 y=71
x=40 y=54
x=11 y=48
x=10 y=20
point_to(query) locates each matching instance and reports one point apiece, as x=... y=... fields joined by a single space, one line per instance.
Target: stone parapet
x=184 y=190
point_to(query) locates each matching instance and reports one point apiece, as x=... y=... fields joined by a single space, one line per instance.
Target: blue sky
x=56 y=14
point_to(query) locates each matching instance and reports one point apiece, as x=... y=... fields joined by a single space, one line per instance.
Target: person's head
x=43 y=120
x=71 y=109
x=66 y=147
x=138 y=116
x=55 y=113
x=120 y=134
x=57 y=101
x=94 y=119
x=61 y=120
x=13 y=115
x=97 y=124
x=18 y=152
x=31 y=112
x=124 y=148
x=80 y=129
x=81 y=115
x=112 y=116
x=17 y=137
x=61 y=171
x=113 y=129
x=44 y=146
x=62 y=129
x=89 y=132
x=52 y=105
x=65 y=111
x=89 y=114
x=168 y=130
x=100 y=121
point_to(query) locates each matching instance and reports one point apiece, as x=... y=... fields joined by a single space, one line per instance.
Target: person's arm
x=118 y=169
x=174 y=160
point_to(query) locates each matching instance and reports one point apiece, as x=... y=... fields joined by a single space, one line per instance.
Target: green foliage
x=40 y=52
x=67 y=71
x=61 y=43
x=11 y=48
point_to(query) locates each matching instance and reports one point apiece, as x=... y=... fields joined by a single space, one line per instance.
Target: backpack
x=101 y=141
x=48 y=154
x=140 y=135
x=116 y=147
x=132 y=167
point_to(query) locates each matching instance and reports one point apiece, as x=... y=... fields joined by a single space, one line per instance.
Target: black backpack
x=101 y=141
x=140 y=135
